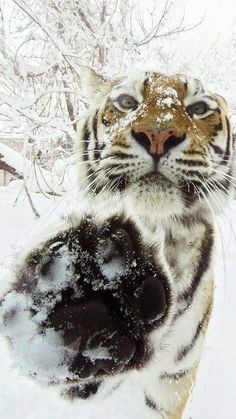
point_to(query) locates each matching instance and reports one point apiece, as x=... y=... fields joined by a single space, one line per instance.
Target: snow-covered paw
x=84 y=303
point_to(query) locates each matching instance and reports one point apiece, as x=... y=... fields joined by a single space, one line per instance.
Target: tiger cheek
x=198 y=138
x=111 y=115
x=120 y=140
x=203 y=131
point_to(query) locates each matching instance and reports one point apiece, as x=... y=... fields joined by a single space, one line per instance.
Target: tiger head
x=161 y=142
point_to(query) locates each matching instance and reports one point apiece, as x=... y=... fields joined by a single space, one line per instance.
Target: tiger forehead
x=158 y=85
x=154 y=87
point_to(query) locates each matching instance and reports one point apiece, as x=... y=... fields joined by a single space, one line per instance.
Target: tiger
x=162 y=147
x=120 y=298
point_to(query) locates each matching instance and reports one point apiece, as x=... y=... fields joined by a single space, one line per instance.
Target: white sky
x=205 y=52
x=219 y=18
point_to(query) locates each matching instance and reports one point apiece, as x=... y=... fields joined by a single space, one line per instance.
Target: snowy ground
x=214 y=395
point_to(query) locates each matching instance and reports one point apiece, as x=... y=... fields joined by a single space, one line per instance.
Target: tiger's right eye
x=127 y=102
x=197 y=108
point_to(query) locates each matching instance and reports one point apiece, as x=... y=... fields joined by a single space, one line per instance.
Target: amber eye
x=198 y=108
x=127 y=102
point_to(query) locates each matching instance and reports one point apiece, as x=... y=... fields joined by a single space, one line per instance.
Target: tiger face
x=163 y=142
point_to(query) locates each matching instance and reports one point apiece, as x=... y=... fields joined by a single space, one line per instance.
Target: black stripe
x=190 y=173
x=221 y=185
x=156 y=407
x=180 y=313
x=174 y=376
x=227 y=151
x=184 y=351
x=121 y=155
x=83 y=392
x=191 y=162
x=119 y=182
x=234 y=141
x=145 y=83
x=189 y=191
x=218 y=127
x=226 y=183
x=203 y=264
x=150 y=403
x=86 y=140
x=216 y=148
x=192 y=152
x=121 y=145
x=95 y=133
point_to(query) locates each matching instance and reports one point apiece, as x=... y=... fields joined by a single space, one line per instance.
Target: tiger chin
x=123 y=298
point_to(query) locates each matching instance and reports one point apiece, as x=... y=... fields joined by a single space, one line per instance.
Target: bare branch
x=37 y=215
x=23 y=6
x=9 y=168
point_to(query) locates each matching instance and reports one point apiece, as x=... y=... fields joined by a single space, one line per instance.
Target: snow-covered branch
x=11 y=162
x=35 y=177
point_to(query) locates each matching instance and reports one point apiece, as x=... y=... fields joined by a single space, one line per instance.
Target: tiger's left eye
x=127 y=102
x=198 y=108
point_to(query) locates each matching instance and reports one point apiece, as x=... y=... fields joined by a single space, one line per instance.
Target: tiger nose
x=157 y=139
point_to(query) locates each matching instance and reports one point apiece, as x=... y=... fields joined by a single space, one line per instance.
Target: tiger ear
x=90 y=82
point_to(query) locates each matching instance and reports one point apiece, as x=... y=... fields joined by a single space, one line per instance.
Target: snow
x=213 y=396
x=45 y=353
x=12 y=158
x=38 y=179
x=59 y=273
x=97 y=353
x=112 y=269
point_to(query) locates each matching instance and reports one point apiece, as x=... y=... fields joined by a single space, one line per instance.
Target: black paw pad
x=89 y=330
x=80 y=320
x=151 y=300
x=109 y=354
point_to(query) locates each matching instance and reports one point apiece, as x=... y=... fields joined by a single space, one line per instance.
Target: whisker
x=217 y=226
x=226 y=177
x=218 y=204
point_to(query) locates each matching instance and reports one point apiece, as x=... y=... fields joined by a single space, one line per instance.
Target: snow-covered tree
x=45 y=43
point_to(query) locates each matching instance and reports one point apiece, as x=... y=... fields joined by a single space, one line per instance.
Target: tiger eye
x=127 y=102
x=198 y=108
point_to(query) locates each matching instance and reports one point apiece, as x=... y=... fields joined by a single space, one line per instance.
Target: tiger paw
x=88 y=298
